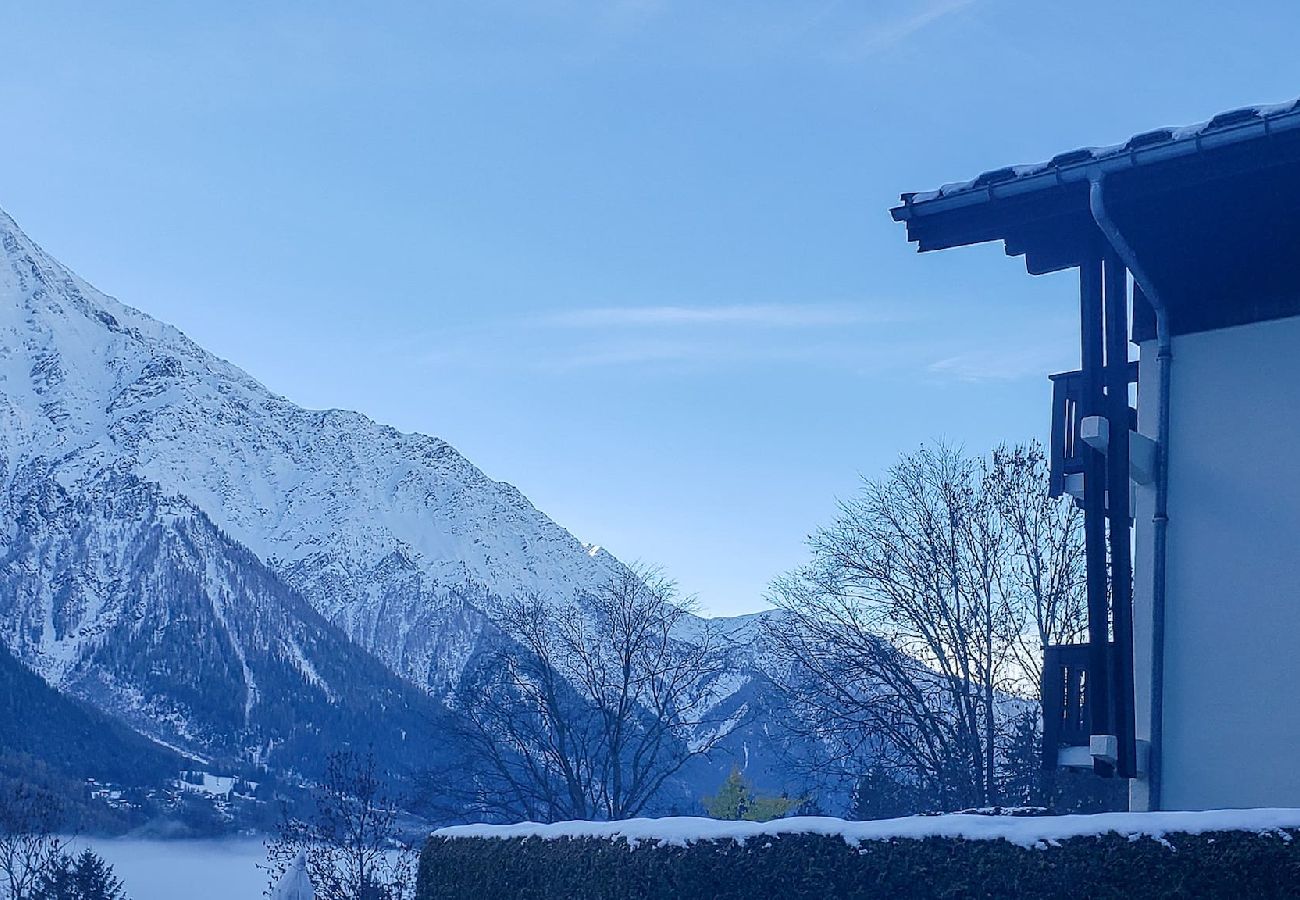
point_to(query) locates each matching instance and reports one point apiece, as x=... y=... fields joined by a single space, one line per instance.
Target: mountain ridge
x=145 y=481
x=374 y=527
x=168 y=625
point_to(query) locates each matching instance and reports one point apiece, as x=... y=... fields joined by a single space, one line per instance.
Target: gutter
x=1160 y=518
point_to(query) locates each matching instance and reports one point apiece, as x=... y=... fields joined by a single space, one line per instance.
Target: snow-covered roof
x=1025 y=831
x=1158 y=144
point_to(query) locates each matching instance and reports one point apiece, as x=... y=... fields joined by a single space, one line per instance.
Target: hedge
x=794 y=866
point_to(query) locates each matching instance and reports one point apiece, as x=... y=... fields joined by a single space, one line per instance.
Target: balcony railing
x=1067 y=708
x=1066 y=456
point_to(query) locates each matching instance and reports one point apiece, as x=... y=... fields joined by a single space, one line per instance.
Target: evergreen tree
x=1023 y=781
x=88 y=877
x=882 y=795
x=737 y=800
x=763 y=809
x=732 y=799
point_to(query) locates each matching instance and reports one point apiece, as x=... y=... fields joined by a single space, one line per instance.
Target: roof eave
x=916 y=208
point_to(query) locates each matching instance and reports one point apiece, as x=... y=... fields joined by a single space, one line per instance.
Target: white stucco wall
x=1143 y=506
x=1232 y=643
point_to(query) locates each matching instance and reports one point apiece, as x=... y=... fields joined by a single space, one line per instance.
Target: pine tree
x=763 y=809
x=882 y=795
x=736 y=800
x=88 y=877
x=96 y=880
x=732 y=799
x=1022 y=774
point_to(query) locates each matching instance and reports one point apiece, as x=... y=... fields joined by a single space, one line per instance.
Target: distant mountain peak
x=229 y=572
x=329 y=497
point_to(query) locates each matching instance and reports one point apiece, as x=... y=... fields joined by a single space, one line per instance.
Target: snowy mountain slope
x=152 y=495
x=71 y=737
x=154 y=615
x=381 y=531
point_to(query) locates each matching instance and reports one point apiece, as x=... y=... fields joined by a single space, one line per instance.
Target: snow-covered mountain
x=136 y=602
x=218 y=566
x=383 y=533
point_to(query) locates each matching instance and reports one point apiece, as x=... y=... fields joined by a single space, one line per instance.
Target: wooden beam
x=1115 y=278
x=1092 y=403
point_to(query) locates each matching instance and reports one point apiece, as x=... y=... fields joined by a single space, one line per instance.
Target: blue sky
x=633 y=257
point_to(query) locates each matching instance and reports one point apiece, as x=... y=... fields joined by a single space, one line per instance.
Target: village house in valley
x=1178 y=436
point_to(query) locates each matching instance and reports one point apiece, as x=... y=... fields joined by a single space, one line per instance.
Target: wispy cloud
x=679 y=336
x=939 y=339
x=692 y=354
x=670 y=337
x=772 y=315
x=1001 y=364
x=884 y=35
x=622 y=353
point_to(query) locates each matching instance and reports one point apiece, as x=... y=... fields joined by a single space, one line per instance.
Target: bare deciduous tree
x=906 y=637
x=351 y=844
x=30 y=846
x=1046 y=571
x=595 y=705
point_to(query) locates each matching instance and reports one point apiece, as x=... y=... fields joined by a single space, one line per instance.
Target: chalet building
x=1179 y=436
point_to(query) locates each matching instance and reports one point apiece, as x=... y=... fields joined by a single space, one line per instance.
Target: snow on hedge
x=1026 y=831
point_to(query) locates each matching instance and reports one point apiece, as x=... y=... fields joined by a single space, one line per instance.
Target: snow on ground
x=185 y=870
x=1038 y=831
x=228 y=869
x=212 y=785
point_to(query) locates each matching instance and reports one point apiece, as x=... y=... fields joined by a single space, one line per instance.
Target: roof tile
x=1084 y=155
x=1150 y=138
x=996 y=176
x=1232 y=117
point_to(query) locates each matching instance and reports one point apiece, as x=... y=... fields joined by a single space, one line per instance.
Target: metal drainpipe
x=1160 y=520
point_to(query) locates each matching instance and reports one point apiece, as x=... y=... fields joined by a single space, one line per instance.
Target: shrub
x=794 y=866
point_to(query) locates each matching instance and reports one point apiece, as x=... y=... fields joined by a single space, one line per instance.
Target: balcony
x=1067 y=707
x=1066 y=451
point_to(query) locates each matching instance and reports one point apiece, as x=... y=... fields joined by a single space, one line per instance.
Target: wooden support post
x=1053 y=690
x=1115 y=280
x=1092 y=402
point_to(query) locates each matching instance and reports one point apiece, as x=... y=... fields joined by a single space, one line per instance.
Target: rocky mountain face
x=232 y=574
x=134 y=601
x=376 y=529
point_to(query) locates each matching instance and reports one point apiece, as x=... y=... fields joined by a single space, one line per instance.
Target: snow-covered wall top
x=1025 y=831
